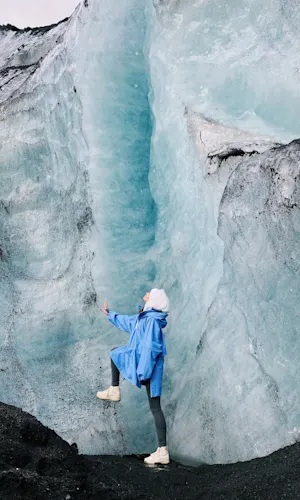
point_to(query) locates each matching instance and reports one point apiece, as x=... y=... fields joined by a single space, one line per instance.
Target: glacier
x=154 y=145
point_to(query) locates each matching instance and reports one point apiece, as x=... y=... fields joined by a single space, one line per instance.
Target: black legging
x=159 y=418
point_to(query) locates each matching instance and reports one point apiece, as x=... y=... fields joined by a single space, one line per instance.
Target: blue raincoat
x=143 y=358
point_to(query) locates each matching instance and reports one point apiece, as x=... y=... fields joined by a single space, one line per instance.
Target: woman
x=141 y=362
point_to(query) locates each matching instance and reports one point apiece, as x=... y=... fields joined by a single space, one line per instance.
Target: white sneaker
x=160 y=456
x=111 y=394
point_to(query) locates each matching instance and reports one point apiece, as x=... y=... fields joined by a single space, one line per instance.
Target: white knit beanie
x=158 y=300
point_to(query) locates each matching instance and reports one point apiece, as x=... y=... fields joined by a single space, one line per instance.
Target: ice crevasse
x=154 y=144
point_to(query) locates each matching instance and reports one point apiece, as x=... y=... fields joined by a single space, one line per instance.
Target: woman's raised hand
x=105 y=308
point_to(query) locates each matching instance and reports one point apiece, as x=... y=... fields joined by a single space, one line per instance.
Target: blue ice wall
x=144 y=146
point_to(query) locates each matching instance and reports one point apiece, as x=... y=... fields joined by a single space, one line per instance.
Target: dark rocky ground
x=35 y=463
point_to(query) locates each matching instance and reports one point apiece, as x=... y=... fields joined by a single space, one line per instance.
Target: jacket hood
x=158 y=299
x=153 y=313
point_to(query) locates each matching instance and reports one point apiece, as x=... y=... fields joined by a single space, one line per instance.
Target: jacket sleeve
x=151 y=349
x=121 y=321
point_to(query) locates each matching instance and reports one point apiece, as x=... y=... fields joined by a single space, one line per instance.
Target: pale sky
x=23 y=13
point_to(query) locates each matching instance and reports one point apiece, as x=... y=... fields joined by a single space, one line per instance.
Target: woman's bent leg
x=159 y=418
x=115 y=374
x=113 y=392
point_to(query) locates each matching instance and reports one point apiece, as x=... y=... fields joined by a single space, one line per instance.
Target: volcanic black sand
x=35 y=463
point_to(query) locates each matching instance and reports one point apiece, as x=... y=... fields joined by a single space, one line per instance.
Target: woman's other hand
x=105 y=308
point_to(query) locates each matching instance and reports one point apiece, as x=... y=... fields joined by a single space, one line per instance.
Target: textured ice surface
x=228 y=221
x=199 y=96
x=77 y=216
x=236 y=61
